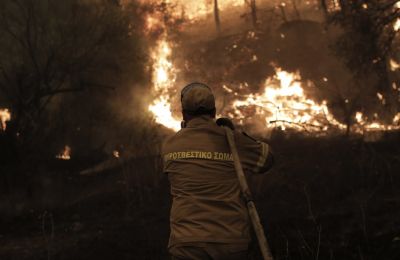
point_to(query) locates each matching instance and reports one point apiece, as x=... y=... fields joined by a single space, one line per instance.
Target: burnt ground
x=326 y=198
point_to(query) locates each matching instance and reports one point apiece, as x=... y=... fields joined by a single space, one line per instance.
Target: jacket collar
x=200 y=121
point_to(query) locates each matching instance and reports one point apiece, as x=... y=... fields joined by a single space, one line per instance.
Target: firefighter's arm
x=256 y=156
x=268 y=162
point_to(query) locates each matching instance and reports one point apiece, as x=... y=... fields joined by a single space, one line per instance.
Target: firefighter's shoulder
x=248 y=136
x=170 y=141
x=245 y=137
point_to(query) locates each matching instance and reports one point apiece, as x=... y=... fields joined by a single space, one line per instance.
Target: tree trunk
x=296 y=10
x=343 y=6
x=383 y=74
x=282 y=8
x=324 y=8
x=348 y=126
x=254 y=13
x=216 y=17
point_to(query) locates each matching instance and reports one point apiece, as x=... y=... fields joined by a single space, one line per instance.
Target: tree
x=368 y=34
x=253 y=8
x=49 y=48
x=216 y=17
x=366 y=40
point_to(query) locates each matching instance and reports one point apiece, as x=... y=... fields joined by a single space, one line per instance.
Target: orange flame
x=164 y=77
x=282 y=103
x=65 y=154
x=396 y=25
x=196 y=9
x=5 y=116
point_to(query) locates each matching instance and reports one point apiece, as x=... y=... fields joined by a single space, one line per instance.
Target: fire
x=5 y=116
x=65 y=154
x=196 y=9
x=363 y=126
x=396 y=25
x=394 y=65
x=164 y=78
x=396 y=119
x=162 y=112
x=284 y=104
x=334 y=6
x=163 y=71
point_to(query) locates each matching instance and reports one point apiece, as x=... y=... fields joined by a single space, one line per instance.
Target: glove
x=223 y=121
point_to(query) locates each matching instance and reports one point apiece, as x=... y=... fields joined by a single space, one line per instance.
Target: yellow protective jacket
x=207 y=205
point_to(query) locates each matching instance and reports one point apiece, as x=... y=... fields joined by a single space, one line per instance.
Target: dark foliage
x=366 y=43
x=49 y=48
x=325 y=198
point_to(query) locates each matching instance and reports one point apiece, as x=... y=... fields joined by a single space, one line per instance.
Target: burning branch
x=5 y=116
x=303 y=125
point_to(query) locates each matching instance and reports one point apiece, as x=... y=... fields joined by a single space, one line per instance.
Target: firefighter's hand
x=223 y=121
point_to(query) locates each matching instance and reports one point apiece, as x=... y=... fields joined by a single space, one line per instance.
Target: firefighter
x=209 y=218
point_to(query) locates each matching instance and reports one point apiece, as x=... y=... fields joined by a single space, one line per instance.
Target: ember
x=5 y=116
x=394 y=65
x=65 y=154
x=396 y=25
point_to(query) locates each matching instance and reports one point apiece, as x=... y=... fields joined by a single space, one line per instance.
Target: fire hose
x=255 y=219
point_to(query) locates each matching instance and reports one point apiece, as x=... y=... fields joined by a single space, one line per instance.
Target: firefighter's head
x=197 y=100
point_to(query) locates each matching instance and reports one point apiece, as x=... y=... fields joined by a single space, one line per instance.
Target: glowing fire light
x=116 y=154
x=334 y=6
x=5 y=116
x=394 y=65
x=164 y=77
x=396 y=119
x=364 y=126
x=162 y=111
x=65 y=154
x=197 y=9
x=284 y=103
x=396 y=25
